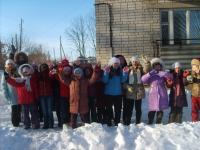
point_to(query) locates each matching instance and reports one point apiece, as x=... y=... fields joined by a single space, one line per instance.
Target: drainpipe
x=110 y=24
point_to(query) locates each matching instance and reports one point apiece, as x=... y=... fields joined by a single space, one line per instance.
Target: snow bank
x=98 y=137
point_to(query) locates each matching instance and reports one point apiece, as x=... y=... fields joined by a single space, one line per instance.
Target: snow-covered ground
x=95 y=136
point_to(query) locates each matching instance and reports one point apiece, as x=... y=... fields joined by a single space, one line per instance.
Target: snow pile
x=95 y=136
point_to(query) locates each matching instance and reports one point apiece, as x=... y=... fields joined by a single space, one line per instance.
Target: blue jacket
x=9 y=92
x=113 y=86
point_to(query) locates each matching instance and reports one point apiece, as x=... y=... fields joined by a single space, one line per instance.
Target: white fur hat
x=176 y=64
x=134 y=58
x=157 y=60
x=9 y=61
x=113 y=60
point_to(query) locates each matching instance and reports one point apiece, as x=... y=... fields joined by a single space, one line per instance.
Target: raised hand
x=186 y=73
x=107 y=69
x=153 y=72
x=126 y=69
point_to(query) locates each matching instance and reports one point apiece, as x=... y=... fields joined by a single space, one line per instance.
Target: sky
x=43 y=20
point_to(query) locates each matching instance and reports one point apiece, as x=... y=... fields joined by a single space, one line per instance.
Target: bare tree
x=91 y=29
x=77 y=34
x=37 y=54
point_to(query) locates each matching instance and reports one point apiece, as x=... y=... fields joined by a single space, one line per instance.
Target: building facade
x=169 y=29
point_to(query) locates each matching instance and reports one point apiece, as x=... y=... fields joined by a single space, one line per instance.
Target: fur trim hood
x=25 y=65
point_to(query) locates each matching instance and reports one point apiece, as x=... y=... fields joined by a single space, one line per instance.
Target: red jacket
x=64 y=90
x=24 y=96
x=45 y=85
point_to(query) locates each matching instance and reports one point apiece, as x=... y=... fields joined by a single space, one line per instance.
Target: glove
x=153 y=72
x=6 y=75
x=186 y=73
x=107 y=69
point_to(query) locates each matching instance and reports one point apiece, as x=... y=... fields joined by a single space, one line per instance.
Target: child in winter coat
x=64 y=77
x=134 y=92
x=158 y=98
x=27 y=94
x=79 y=96
x=56 y=92
x=177 y=96
x=194 y=78
x=46 y=96
x=10 y=93
x=113 y=78
x=88 y=71
x=99 y=95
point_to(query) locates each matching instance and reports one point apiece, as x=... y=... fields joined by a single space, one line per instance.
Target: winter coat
x=195 y=78
x=9 y=92
x=113 y=85
x=25 y=96
x=64 y=90
x=134 y=89
x=79 y=96
x=99 y=93
x=45 y=85
x=158 y=98
x=178 y=98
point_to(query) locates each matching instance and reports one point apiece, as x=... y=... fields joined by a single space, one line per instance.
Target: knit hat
x=78 y=71
x=157 y=60
x=67 y=69
x=113 y=60
x=176 y=65
x=195 y=62
x=134 y=58
x=9 y=61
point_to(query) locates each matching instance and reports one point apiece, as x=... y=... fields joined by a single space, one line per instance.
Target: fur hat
x=20 y=58
x=78 y=71
x=195 y=62
x=176 y=64
x=157 y=60
x=113 y=60
x=25 y=67
x=9 y=61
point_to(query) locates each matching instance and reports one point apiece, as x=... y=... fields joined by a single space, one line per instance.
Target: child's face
x=116 y=65
x=135 y=63
x=9 y=67
x=66 y=70
x=77 y=77
x=177 y=69
x=195 y=68
x=157 y=67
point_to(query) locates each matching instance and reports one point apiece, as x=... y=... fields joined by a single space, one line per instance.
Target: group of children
x=96 y=94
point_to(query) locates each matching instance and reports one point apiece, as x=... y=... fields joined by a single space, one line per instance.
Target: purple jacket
x=158 y=97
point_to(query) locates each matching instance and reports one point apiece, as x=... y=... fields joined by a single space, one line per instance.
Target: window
x=195 y=26
x=180 y=25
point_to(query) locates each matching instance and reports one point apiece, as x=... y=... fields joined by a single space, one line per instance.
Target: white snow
x=97 y=137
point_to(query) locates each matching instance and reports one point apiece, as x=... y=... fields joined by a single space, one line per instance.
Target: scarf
x=135 y=77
